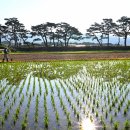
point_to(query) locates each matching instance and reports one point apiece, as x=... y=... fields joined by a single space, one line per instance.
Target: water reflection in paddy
x=72 y=95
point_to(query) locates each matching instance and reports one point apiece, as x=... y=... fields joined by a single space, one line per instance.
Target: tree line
x=60 y=34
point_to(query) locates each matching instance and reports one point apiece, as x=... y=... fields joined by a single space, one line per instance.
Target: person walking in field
x=6 y=51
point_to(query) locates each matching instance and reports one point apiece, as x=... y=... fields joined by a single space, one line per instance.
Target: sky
x=78 y=13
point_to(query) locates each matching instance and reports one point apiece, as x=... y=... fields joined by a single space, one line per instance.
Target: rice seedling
x=101 y=119
x=46 y=123
x=106 y=113
x=125 y=111
x=91 y=118
x=100 y=87
x=24 y=124
x=6 y=113
x=36 y=109
x=104 y=126
x=52 y=90
x=116 y=125
x=78 y=115
x=93 y=109
x=46 y=120
x=46 y=88
x=96 y=114
x=111 y=119
x=57 y=116
x=34 y=84
x=115 y=113
x=126 y=125
x=14 y=119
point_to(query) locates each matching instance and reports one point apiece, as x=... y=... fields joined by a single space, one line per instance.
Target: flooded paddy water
x=62 y=95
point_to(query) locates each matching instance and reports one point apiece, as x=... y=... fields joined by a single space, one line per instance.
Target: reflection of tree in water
x=53 y=70
x=13 y=72
x=108 y=70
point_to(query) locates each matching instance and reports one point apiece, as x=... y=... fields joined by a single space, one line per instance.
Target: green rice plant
x=69 y=122
x=14 y=91
x=119 y=107
x=53 y=102
x=24 y=124
x=93 y=101
x=2 y=120
x=36 y=109
x=46 y=123
x=8 y=90
x=110 y=108
x=34 y=84
x=61 y=102
x=108 y=100
x=29 y=101
x=29 y=81
x=104 y=126
x=115 y=113
x=127 y=106
x=116 y=125
x=21 y=88
x=87 y=113
x=5 y=101
x=101 y=119
x=68 y=119
x=40 y=89
x=26 y=113
x=106 y=113
x=116 y=99
x=111 y=119
x=102 y=109
x=17 y=112
x=84 y=110
x=57 y=116
x=14 y=119
x=52 y=90
x=14 y=99
x=96 y=113
x=6 y=113
x=75 y=111
x=126 y=125
x=113 y=103
x=91 y=118
x=129 y=102
x=46 y=88
x=121 y=103
x=80 y=105
x=78 y=116
x=22 y=99
x=93 y=109
x=64 y=109
x=97 y=104
x=125 y=111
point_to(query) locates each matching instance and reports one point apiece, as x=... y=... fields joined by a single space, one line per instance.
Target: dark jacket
x=6 y=51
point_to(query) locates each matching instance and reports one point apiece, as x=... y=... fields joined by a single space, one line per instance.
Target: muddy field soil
x=81 y=56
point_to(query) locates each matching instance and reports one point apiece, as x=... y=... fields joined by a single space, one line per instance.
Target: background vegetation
x=14 y=33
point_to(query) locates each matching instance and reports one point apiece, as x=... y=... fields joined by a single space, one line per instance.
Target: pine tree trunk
x=108 y=40
x=125 y=40
x=0 y=39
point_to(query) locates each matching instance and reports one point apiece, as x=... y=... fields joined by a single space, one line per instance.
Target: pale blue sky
x=78 y=13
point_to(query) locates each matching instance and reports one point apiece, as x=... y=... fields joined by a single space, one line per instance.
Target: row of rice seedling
x=97 y=90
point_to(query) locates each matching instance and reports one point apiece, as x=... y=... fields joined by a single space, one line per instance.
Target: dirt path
x=87 y=56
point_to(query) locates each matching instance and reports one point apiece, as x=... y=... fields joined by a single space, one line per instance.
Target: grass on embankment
x=68 y=52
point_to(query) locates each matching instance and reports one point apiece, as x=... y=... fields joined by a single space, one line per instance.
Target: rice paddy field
x=65 y=95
